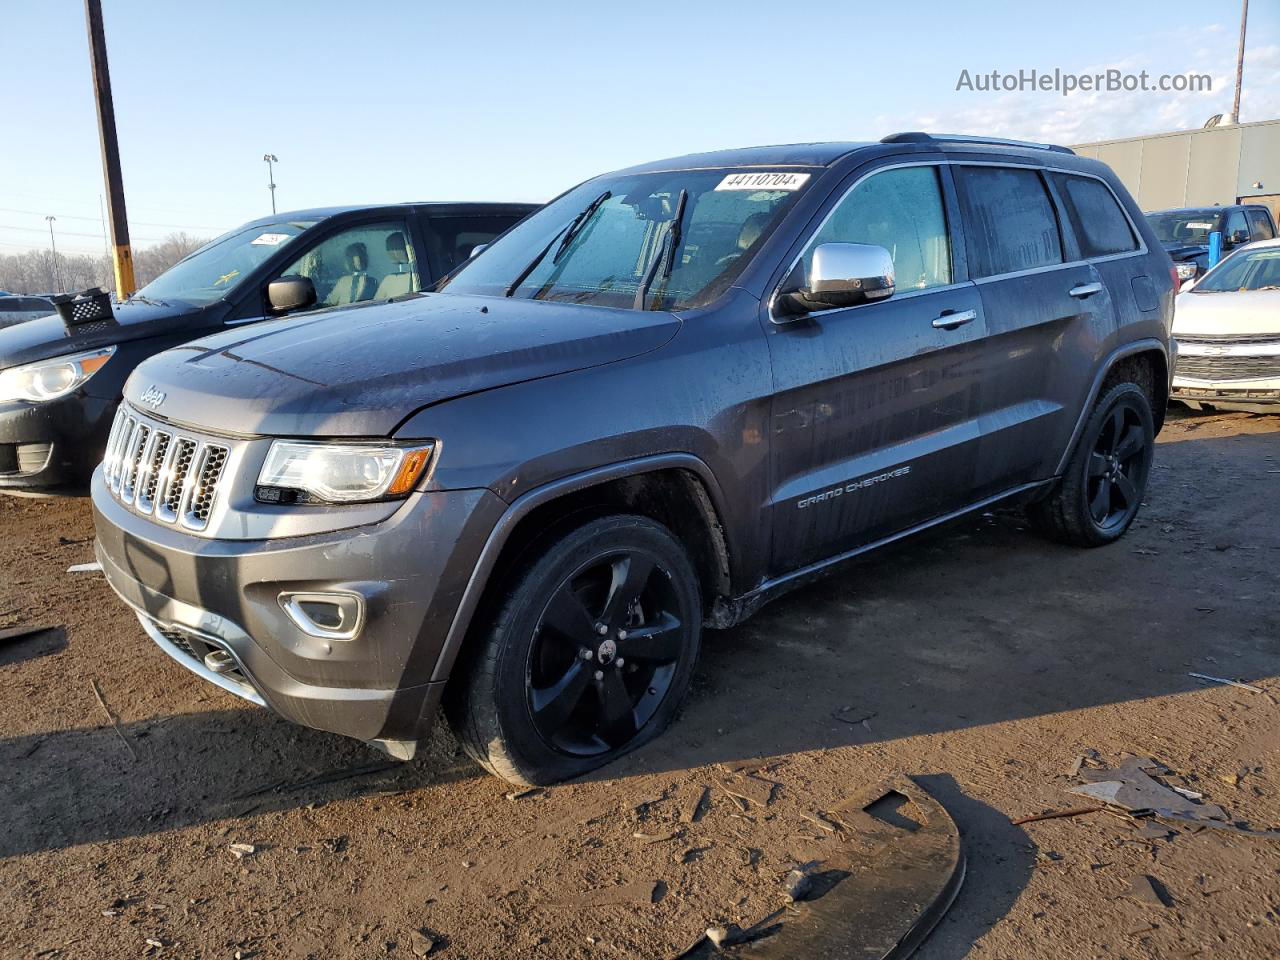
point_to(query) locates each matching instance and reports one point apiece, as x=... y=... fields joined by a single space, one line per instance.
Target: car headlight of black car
x=298 y=472
x=52 y=378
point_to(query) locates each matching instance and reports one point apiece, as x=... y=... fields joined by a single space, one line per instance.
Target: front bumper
x=195 y=595
x=1228 y=370
x=55 y=445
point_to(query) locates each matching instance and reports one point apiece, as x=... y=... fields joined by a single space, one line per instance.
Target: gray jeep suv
x=666 y=397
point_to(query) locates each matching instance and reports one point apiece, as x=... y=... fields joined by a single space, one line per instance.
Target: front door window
x=370 y=262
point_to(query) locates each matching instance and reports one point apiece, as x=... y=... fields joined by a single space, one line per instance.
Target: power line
x=66 y=233
x=141 y=223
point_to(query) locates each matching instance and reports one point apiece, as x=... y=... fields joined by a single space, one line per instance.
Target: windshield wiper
x=666 y=257
x=147 y=300
x=579 y=222
x=569 y=232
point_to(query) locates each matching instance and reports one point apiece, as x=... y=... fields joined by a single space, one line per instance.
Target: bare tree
x=32 y=271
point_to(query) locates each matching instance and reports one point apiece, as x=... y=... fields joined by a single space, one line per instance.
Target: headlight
x=1185 y=270
x=298 y=472
x=50 y=379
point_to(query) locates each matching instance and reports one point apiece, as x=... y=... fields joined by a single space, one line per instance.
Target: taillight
x=1173 y=275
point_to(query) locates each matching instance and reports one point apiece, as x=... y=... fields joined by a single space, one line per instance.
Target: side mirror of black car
x=1238 y=237
x=291 y=293
x=840 y=275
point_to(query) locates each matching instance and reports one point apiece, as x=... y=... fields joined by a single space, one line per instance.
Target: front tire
x=1102 y=487
x=588 y=658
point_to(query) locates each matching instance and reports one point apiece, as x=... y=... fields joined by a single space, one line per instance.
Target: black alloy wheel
x=1117 y=469
x=587 y=656
x=604 y=653
x=1105 y=478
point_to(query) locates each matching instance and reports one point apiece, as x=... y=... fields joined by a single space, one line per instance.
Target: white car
x=1228 y=331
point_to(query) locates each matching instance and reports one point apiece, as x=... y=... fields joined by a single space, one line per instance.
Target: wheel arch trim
x=527 y=502
x=1146 y=345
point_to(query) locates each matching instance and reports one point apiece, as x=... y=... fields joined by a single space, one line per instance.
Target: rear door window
x=1260 y=225
x=451 y=240
x=1100 y=225
x=1010 y=224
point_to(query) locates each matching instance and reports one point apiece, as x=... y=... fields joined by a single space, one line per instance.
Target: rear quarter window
x=1260 y=225
x=1100 y=226
x=1009 y=221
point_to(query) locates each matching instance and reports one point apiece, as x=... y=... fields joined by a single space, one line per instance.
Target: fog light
x=330 y=616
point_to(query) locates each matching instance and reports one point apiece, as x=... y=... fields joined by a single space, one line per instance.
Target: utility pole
x=1235 y=104
x=53 y=248
x=122 y=254
x=271 y=178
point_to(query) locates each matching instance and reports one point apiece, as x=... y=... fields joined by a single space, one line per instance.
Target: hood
x=1186 y=251
x=360 y=371
x=46 y=337
x=1228 y=313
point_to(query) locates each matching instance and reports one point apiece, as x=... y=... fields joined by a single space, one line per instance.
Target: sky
x=501 y=100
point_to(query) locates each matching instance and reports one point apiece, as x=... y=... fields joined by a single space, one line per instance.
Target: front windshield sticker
x=763 y=181
x=270 y=239
x=1195 y=225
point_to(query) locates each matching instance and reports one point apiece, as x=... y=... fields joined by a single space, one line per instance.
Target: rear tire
x=1102 y=487
x=548 y=695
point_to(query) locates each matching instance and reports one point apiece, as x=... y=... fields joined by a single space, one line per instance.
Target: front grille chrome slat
x=116 y=461
x=165 y=474
x=133 y=461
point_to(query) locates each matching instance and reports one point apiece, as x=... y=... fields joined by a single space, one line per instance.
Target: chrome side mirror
x=840 y=275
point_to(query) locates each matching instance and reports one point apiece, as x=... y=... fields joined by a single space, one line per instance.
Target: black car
x=60 y=384
x=670 y=395
x=1185 y=232
x=15 y=308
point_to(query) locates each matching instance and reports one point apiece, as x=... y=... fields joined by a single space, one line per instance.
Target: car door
x=1235 y=231
x=874 y=413
x=361 y=262
x=1260 y=225
x=1045 y=318
x=452 y=238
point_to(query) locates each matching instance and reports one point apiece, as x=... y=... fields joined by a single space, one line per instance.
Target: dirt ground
x=985 y=659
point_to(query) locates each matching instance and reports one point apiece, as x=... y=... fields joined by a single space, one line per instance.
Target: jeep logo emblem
x=152 y=397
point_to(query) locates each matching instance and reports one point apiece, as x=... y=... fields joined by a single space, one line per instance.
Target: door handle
x=949 y=319
x=1082 y=290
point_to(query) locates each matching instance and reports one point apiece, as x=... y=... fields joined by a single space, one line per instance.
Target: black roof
x=437 y=206
x=828 y=154
x=778 y=155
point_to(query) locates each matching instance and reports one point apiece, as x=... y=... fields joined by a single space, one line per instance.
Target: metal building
x=1191 y=168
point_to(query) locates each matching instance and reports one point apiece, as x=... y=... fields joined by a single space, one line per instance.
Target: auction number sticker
x=763 y=181
x=270 y=239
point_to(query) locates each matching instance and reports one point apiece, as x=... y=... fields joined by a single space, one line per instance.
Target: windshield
x=1244 y=270
x=220 y=265
x=1186 y=228
x=658 y=241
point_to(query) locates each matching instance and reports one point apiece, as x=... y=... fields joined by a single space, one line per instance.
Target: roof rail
x=916 y=136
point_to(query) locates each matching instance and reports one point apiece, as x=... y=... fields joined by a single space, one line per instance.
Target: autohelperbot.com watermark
x=1066 y=83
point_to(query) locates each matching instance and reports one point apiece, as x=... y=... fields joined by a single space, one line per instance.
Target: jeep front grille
x=163 y=473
